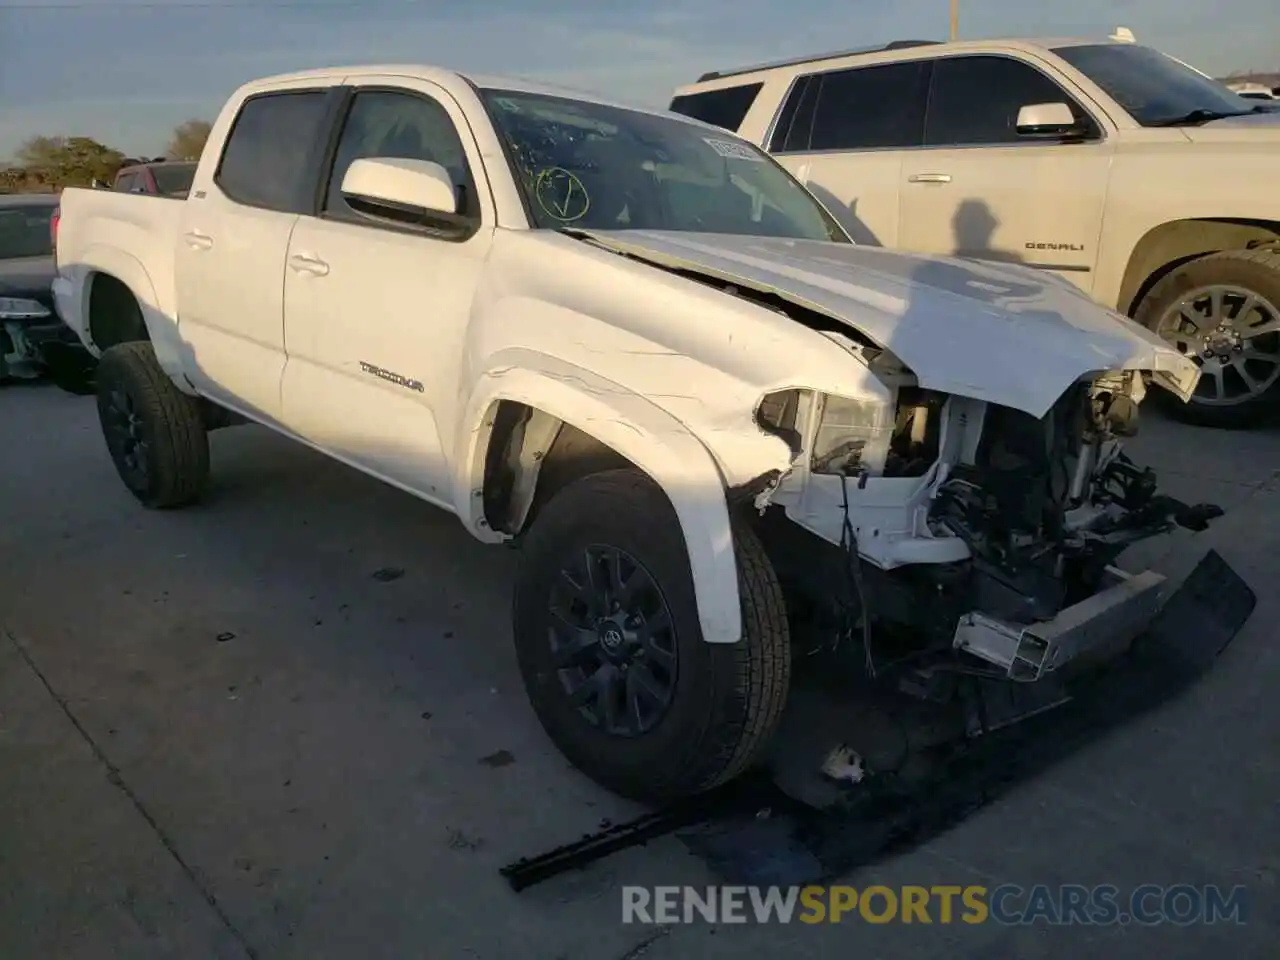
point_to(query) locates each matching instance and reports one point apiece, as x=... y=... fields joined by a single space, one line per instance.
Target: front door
x=376 y=311
x=230 y=254
x=979 y=189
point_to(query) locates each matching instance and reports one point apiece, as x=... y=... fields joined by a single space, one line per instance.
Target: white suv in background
x=1109 y=163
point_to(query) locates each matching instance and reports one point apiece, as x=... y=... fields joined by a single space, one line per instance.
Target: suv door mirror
x=397 y=186
x=1046 y=120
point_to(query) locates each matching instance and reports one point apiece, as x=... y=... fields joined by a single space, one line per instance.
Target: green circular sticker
x=561 y=195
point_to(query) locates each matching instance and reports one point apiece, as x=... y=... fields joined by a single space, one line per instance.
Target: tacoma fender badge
x=415 y=385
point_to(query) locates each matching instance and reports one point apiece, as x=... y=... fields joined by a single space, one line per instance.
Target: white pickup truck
x=1121 y=169
x=636 y=344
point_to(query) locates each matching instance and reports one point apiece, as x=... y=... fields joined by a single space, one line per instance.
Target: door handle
x=929 y=178
x=301 y=263
x=197 y=240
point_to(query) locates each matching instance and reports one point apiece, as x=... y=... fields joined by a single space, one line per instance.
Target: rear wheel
x=1223 y=310
x=610 y=646
x=154 y=431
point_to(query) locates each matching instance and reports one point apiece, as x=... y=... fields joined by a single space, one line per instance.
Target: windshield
x=589 y=166
x=175 y=180
x=24 y=231
x=1154 y=88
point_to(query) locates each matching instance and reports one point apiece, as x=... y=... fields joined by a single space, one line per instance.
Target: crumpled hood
x=1006 y=334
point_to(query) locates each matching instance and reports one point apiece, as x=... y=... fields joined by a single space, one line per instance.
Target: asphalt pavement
x=288 y=724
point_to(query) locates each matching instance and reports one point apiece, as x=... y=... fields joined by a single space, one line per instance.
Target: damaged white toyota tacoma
x=638 y=346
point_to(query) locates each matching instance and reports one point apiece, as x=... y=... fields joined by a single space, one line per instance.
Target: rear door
x=842 y=133
x=233 y=238
x=979 y=189
x=377 y=306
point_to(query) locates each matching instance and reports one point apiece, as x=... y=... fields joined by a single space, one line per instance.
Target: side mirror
x=1046 y=120
x=396 y=186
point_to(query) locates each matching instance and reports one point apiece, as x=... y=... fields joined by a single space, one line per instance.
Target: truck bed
x=120 y=226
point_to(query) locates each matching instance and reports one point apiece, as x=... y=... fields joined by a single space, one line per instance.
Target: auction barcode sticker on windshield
x=733 y=151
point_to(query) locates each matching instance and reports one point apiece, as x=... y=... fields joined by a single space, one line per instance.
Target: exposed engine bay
x=976 y=528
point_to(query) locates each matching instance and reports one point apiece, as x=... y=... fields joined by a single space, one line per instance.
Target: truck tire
x=1224 y=310
x=636 y=699
x=154 y=431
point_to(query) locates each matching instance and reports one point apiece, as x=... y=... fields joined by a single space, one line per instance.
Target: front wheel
x=1223 y=311
x=611 y=651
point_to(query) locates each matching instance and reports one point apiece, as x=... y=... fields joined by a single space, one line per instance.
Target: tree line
x=47 y=164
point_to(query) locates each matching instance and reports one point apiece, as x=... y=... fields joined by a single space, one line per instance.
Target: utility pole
x=955 y=20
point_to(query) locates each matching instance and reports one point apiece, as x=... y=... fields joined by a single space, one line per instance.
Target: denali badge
x=1074 y=247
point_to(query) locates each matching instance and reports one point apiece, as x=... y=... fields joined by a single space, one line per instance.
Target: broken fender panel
x=646 y=435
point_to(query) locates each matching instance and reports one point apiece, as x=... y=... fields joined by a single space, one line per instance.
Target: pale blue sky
x=126 y=71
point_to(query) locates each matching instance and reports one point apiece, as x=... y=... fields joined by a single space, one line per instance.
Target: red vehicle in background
x=159 y=178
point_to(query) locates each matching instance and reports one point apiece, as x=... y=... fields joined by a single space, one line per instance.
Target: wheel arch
x=121 y=305
x=519 y=414
x=1168 y=246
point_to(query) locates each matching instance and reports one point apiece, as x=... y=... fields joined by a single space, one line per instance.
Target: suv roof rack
x=798 y=61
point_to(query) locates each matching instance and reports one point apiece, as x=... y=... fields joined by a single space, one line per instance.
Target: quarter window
x=795 y=122
x=975 y=100
x=269 y=155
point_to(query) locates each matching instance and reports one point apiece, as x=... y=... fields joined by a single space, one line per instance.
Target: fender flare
x=637 y=429
x=161 y=328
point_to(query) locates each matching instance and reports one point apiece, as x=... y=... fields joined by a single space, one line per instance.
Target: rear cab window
x=725 y=108
x=269 y=157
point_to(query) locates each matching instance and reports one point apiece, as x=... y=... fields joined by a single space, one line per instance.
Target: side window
x=725 y=108
x=270 y=151
x=871 y=107
x=795 y=123
x=385 y=123
x=127 y=182
x=975 y=100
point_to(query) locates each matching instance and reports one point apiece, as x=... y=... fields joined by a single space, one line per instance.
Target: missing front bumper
x=1097 y=627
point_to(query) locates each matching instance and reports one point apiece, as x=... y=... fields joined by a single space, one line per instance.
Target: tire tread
x=181 y=443
x=748 y=681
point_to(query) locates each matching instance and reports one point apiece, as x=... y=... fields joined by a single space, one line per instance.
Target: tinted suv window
x=383 y=123
x=870 y=107
x=724 y=108
x=795 y=122
x=271 y=149
x=975 y=100
x=24 y=231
